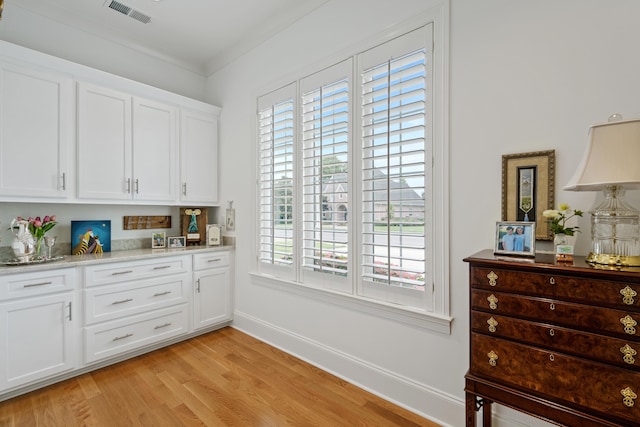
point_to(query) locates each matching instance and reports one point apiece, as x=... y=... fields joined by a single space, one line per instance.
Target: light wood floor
x=224 y=378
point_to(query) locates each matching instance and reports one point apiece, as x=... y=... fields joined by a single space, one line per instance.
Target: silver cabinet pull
x=214 y=260
x=122 y=337
x=128 y=185
x=64 y=181
x=162 y=267
x=121 y=272
x=162 y=326
x=137 y=186
x=31 y=285
x=184 y=189
x=70 y=312
x=122 y=301
x=159 y=294
x=198 y=285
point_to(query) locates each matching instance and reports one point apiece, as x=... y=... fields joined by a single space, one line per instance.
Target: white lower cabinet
x=37 y=326
x=123 y=308
x=212 y=290
x=130 y=305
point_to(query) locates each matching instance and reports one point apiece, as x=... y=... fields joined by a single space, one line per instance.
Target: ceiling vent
x=126 y=10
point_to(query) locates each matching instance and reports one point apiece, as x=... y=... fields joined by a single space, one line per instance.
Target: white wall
x=525 y=76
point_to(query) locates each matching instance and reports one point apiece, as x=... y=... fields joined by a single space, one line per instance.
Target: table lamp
x=611 y=163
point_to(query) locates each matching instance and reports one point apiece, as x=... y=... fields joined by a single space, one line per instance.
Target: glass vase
x=562 y=248
x=38 y=247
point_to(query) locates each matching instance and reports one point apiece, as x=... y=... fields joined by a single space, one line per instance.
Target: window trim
x=439 y=319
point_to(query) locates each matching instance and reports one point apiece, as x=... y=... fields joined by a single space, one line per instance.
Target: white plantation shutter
x=396 y=169
x=276 y=130
x=325 y=105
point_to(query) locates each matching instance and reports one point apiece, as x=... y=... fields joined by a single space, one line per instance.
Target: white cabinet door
x=36 y=132
x=104 y=143
x=199 y=157
x=37 y=338
x=126 y=147
x=154 y=151
x=212 y=299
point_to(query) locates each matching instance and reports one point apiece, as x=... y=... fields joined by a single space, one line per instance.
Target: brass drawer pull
x=552 y=281
x=629 y=324
x=552 y=332
x=627 y=295
x=493 y=302
x=628 y=353
x=492 y=324
x=628 y=397
x=122 y=301
x=493 y=278
x=493 y=358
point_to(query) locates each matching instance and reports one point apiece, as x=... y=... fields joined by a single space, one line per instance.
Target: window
x=348 y=177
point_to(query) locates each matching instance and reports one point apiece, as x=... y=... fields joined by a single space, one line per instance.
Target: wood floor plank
x=223 y=378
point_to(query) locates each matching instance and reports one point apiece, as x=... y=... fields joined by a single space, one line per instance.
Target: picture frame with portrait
x=516 y=238
x=177 y=242
x=158 y=240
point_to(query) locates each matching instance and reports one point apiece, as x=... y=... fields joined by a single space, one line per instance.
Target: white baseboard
x=418 y=398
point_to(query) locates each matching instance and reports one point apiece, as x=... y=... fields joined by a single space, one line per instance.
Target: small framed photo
x=214 y=234
x=177 y=242
x=158 y=240
x=516 y=238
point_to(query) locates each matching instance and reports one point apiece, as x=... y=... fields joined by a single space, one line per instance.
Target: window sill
x=408 y=316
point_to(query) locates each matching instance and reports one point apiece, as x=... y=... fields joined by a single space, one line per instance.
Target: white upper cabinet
x=198 y=157
x=126 y=147
x=36 y=132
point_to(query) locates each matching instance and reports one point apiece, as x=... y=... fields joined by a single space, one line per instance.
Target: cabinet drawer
x=124 y=299
x=36 y=283
x=623 y=294
x=119 y=336
x=589 y=386
x=106 y=274
x=621 y=352
x=210 y=260
x=583 y=317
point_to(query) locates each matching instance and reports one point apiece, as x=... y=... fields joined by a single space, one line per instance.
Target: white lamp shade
x=612 y=157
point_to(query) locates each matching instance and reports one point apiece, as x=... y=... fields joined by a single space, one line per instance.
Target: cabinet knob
x=492 y=324
x=552 y=306
x=629 y=324
x=493 y=358
x=184 y=189
x=493 y=278
x=552 y=332
x=493 y=301
x=628 y=397
x=627 y=295
x=552 y=280
x=627 y=354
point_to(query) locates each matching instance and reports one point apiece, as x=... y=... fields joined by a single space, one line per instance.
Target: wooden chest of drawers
x=559 y=342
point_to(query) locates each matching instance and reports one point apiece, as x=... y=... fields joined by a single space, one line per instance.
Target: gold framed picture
x=528 y=183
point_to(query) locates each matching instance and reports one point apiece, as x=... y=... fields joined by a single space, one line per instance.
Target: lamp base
x=613 y=260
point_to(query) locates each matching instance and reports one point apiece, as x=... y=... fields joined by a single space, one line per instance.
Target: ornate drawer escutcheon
x=492 y=324
x=493 y=278
x=628 y=353
x=627 y=295
x=493 y=301
x=629 y=324
x=628 y=397
x=493 y=358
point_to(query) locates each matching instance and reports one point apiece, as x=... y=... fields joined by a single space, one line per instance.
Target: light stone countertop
x=107 y=257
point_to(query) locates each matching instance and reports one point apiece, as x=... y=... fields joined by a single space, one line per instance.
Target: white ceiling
x=201 y=35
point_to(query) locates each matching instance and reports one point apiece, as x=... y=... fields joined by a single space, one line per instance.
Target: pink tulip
x=53 y=218
x=37 y=222
x=46 y=219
